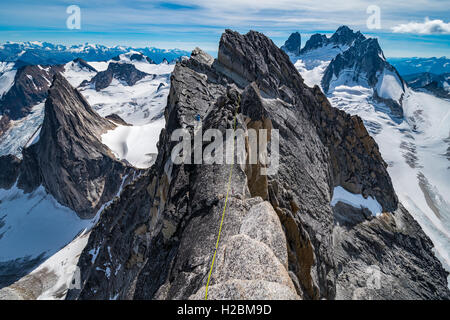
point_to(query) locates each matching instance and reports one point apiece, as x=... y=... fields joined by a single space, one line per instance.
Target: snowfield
x=76 y=75
x=312 y=75
x=22 y=132
x=58 y=274
x=389 y=86
x=138 y=105
x=35 y=224
x=356 y=200
x=136 y=144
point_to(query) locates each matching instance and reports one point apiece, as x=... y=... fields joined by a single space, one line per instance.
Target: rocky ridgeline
x=281 y=239
x=343 y=36
x=69 y=159
x=82 y=64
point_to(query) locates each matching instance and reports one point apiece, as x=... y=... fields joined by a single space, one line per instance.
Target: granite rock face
x=293 y=44
x=157 y=240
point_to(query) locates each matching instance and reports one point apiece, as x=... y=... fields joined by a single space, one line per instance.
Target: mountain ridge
x=29 y=53
x=167 y=255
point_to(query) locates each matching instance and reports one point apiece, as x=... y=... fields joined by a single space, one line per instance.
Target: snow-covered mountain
x=44 y=53
x=411 y=128
x=130 y=85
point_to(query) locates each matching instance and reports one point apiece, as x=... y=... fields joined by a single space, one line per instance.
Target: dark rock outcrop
x=293 y=44
x=83 y=64
x=162 y=231
x=9 y=171
x=31 y=84
x=436 y=88
x=419 y=80
x=124 y=72
x=4 y=124
x=117 y=119
x=140 y=57
x=69 y=160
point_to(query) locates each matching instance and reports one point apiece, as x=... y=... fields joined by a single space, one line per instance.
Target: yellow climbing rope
x=224 y=208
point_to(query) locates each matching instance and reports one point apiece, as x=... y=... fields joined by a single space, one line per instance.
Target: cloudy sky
x=406 y=28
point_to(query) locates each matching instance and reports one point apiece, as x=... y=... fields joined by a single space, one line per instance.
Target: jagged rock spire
x=69 y=158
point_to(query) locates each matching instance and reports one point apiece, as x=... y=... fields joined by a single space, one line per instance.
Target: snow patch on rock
x=356 y=200
x=136 y=144
x=389 y=86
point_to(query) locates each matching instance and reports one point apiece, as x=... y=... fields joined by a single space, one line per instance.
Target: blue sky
x=190 y=23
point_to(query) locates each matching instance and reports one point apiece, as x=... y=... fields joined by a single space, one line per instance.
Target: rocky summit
x=281 y=238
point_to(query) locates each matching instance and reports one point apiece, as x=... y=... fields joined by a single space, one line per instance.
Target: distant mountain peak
x=125 y=72
x=364 y=64
x=344 y=36
x=293 y=44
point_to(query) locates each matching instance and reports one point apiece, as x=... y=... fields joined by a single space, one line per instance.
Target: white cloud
x=427 y=27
